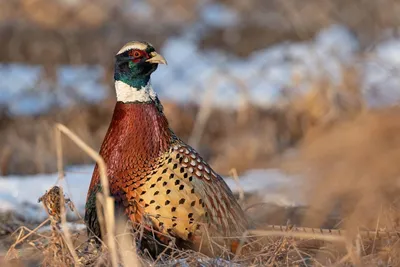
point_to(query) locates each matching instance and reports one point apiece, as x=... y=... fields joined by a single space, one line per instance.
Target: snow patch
x=24 y=91
x=21 y=193
x=264 y=73
x=381 y=74
x=261 y=78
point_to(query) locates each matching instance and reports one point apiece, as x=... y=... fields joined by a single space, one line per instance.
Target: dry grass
x=350 y=171
x=104 y=202
x=250 y=137
x=347 y=154
x=26 y=146
x=277 y=248
x=350 y=167
x=340 y=181
x=27 y=142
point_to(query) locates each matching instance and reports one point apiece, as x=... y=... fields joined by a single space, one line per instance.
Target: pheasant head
x=134 y=64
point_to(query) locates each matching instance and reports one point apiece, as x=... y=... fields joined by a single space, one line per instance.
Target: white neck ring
x=126 y=93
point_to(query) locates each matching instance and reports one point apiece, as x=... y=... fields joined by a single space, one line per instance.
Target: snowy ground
x=190 y=72
x=21 y=193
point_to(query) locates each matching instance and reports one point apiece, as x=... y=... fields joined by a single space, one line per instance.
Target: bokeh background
x=306 y=87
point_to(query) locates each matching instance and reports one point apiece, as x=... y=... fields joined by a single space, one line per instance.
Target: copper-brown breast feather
x=128 y=157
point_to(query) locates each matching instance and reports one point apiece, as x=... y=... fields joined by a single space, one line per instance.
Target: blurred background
x=306 y=87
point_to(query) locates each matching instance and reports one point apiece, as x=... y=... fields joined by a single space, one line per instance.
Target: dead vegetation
x=350 y=168
x=276 y=247
x=346 y=153
x=351 y=183
x=249 y=137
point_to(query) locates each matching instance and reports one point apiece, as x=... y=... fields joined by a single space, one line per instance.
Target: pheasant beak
x=156 y=58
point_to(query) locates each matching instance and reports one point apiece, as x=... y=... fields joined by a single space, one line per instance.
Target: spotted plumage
x=157 y=180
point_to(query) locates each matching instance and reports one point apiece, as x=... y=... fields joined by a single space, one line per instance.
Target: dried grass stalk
x=108 y=202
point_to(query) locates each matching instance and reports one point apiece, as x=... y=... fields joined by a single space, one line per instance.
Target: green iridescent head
x=135 y=62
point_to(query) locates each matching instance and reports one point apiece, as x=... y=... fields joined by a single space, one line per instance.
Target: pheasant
x=156 y=179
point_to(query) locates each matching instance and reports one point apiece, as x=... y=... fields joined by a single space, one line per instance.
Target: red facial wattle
x=137 y=55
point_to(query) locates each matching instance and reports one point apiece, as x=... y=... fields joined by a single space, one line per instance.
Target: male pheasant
x=156 y=179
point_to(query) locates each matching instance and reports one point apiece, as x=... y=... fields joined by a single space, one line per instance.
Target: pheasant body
x=160 y=182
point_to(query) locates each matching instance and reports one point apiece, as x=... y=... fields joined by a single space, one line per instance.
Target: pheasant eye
x=136 y=54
